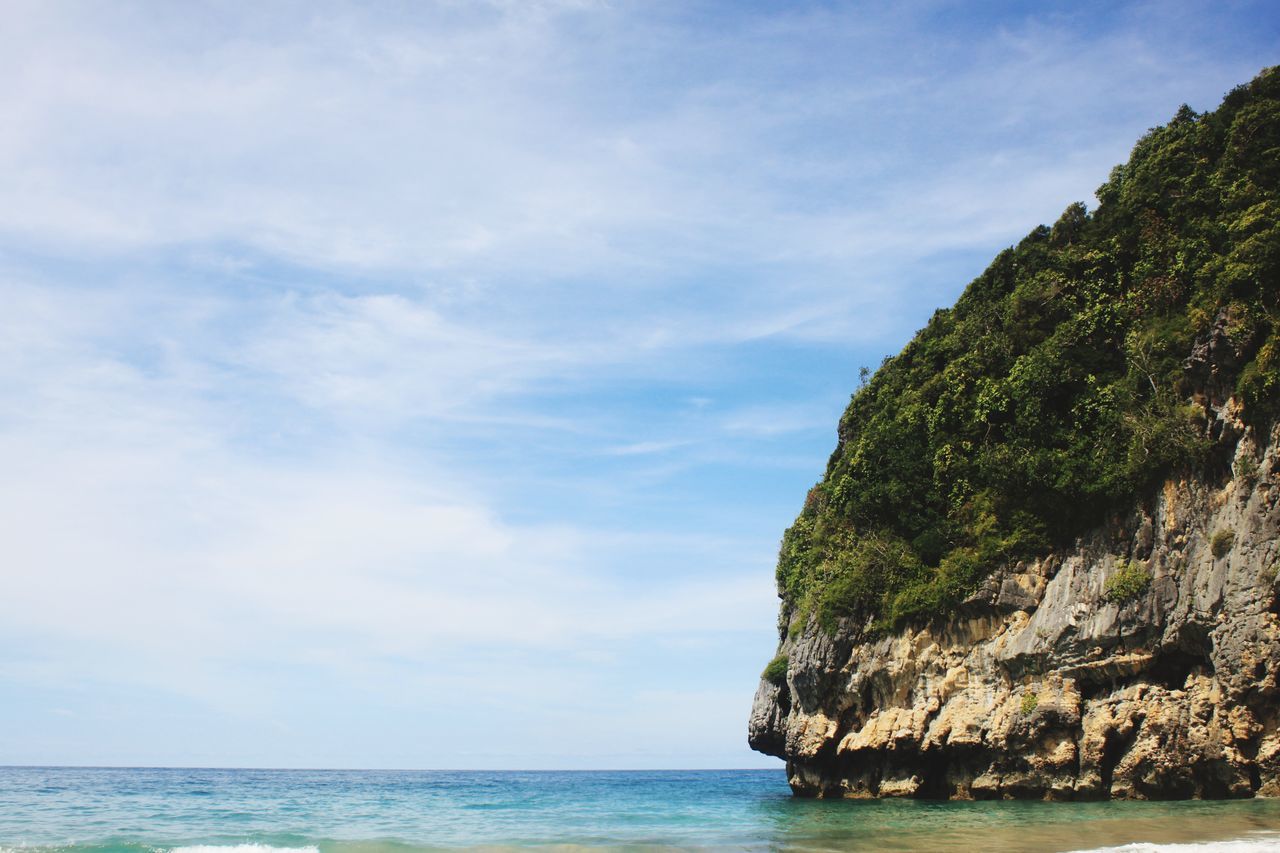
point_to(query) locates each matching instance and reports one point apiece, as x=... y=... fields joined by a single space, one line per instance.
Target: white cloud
x=770 y=421
x=145 y=528
x=485 y=141
x=646 y=448
x=384 y=353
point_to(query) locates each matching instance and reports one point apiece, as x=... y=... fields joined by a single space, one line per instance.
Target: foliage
x=1220 y=544
x=1130 y=580
x=1058 y=388
x=1030 y=701
x=775 y=671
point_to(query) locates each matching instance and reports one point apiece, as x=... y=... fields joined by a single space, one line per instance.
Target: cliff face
x=1043 y=685
x=1042 y=559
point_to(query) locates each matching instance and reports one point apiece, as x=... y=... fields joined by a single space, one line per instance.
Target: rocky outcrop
x=1053 y=680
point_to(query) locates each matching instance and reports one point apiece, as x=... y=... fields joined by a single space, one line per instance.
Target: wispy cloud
x=477 y=142
x=777 y=420
x=645 y=448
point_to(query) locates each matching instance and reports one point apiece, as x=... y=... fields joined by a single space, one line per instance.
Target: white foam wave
x=243 y=848
x=1260 y=843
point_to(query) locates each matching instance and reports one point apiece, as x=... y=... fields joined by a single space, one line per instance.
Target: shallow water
x=110 y=810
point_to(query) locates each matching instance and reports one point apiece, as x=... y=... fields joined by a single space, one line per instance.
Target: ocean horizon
x=224 y=810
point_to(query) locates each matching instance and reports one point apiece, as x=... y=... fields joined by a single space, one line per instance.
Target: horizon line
x=388 y=769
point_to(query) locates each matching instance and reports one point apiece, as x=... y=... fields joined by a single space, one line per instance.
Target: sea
x=136 y=810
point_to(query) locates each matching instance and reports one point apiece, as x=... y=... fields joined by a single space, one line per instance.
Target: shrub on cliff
x=1130 y=580
x=775 y=671
x=1220 y=544
x=1068 y=379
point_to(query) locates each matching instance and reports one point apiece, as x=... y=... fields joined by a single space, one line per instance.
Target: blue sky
x=429 y=384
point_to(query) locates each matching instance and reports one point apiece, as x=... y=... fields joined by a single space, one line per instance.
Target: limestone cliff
x=1042 y=559
x=1041 y=686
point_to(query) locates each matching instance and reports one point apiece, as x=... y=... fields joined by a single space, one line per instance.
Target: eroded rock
x=1043 y=688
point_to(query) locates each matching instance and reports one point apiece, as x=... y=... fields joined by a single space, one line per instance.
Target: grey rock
x=1039 y=687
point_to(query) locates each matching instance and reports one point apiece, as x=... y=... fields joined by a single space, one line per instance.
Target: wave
x=242 y=848
x=1268 y=842
x=141 y=847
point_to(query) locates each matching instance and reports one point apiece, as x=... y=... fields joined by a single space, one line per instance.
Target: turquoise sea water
x=254 y=811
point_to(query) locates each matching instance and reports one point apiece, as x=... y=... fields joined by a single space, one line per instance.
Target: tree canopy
x=1063 y=384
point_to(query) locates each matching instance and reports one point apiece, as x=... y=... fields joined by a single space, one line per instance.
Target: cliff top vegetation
x=1081 y=368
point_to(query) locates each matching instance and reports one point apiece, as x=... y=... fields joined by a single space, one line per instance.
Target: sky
x=429 y=384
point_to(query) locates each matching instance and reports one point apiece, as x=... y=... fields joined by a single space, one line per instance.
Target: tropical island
x=1042 y=560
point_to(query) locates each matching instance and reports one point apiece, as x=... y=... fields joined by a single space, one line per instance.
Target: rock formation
x=1043 y=685
x=1043 y=559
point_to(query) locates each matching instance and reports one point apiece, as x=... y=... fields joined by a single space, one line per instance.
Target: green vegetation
x=1030 y=701
x=776 y=670
x=1130 y=580
x=1062 y=384
x=1247 y=469
x=1220 y=544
